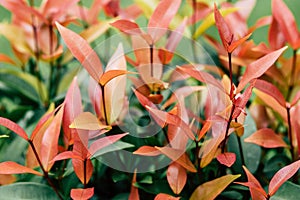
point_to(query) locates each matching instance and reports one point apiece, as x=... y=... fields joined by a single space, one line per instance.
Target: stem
x=230 y=76
x=104 y=105
x=84 y=174
x=46 y=175
x=292 y=78
x=51 y=61
x=151 y=59
x=241 y=148
x=227 y=128
x=267 y=197
x=197 y=155
x=290 y=132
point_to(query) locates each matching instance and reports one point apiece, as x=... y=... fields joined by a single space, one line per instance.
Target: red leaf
x=79 y=165
x=161 y=18
x=49 y=148
x=103 y=142
x=176 y=176
x=163 y=118
x=162 y=196
x=266 y=138
x=179 y=157
x=82 y=52
x=259 y=67
x=287 y=22
x=147 y=151
x=144 y=100
x=227 y=159
x=236 y=43
x=42 y=124
x=276 y=37
x=66 y=155
x=134 y=192
x=127 y=26
x=282 y=176
x=10 y=167
x=201 y=76
x=13 y=127
x=256 y=190
x=72 y=108
x=223 y=29
x=82 y=194
x=271 y=90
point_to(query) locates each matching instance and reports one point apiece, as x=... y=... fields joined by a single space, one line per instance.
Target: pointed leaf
x=10 y=167
x=82 y=194
x=236 y=43
x=179 y=157
x=161 y=18
x=87 y=121
x=271 y=90
x=49 y=148
x=282 y=176
x=223 y=29
x=103 y=142
x=207 y=125
x=44 y=122
x=82 y=52
x=163 y=118
x=162 y=196
x=276 y=37
x=127 y=26
x=210 y=190
x=286 y=21
x=13 y=127
x=147 y=151
x=134 y=192
x=227 y=159
x=79 y=165
x=266 y=138
x=109 y=75
x=259 y=67
x=176 y=176
x=66 y=155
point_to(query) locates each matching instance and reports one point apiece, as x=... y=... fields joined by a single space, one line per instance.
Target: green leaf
x=27 y=190
x=113 y=147
x=288 y=191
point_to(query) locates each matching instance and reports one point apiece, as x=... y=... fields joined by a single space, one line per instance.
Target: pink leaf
x=176 y=36
x=82 y=52
x=105 y=141
x=10 y=167
x=282 y=176
x=161 y=18
x=162 y=196
x=13 y=127
x=271 y=90
x=147 y=151
x=276 y=37
x=72 y=108
x=49 y=148
x=266 y=138
x=82 y=194
x=66 y=155
x=286 y=21
x=227 y=159
x=176 y=176
x=259 y=67
x=127 y=26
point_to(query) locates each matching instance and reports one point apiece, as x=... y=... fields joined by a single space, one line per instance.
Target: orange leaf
x=162 y=196
x=66 y=155
x=147 y=151
x=103 y=142
x=210 y=190
x=266 y=138
x=271 y=90
x=6 y=59
x=49 y=148
x=282 y=176
x=87 y=121
x=227 y=159
x=13 y=127
x=223 y=29
x=161 y=18
x=79 y=165
x=163 y=118
x=6 y=179
x=43 y=123
x=82 y=52
x=259 y=67
x=109 y=75
x=134 y=192
x=72 y=108
x=179 y=157
x=236 y=43
x=127 y=26
x=82 y=194
x=207 y=125
x=10 y=167
x=276 y=37
x=176 y=176
x=286 y=21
